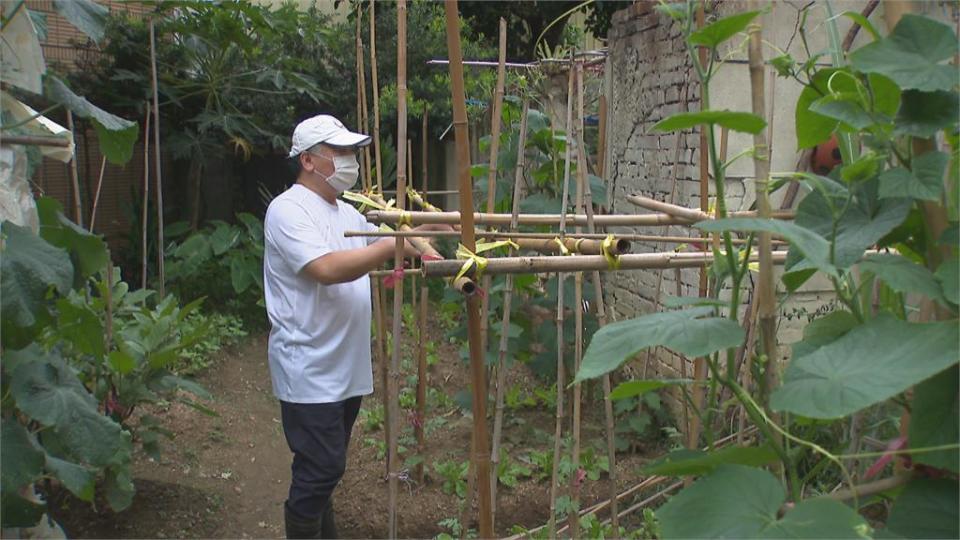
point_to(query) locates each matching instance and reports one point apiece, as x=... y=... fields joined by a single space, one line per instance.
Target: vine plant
x=893 y=342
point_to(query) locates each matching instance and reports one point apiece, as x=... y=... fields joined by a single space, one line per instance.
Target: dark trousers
x=318 y=435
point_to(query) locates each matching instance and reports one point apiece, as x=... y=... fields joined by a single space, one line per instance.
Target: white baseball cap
x=324 y=128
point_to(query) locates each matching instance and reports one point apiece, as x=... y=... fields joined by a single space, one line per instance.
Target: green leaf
x=686 y=462
x=812 y=128
x=121 y=362
x=903 y=275
x=948 y=273
x=926 y=508
x=736 y=501
x=925 y=182
x=28 y=267
x=88 y=16
x=116 y=135
x=813 y=246
x=824 y=330
x=223 y=239
x=80 y=480
x=89 y=251
x=20 y=460
x=19 y=512
x=935 y=420
x=733 y=120
x=863 y=22
x=81 y=326
x=48 y=391
x=866 y=366
x=119 y=488
x=912 y=54
x=923 y=114
x=687 y=332
x=844 y=108
x=721 y=30
x=630 y=389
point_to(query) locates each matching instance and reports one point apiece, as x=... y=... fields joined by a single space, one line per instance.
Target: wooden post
x=421 y=345
x=96 y=193
x=156 y=159
x=394 y=372
x=478 y=376
x=561 y=377
x=365 y=116
x=507 y=301
x=74 y=176
x=144 y=214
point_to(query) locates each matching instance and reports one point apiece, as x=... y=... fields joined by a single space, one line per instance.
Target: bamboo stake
x=602 y=321
x=578 y=263
x=766 y=293
x=418 y=242
x=496 y=113
x=688 y=214
x=380 y=348
x=96 y=193
x=478 y=375
x=605 y=220
x=156 y=158
x=507 y=302
x=561 y=378
x=376 y=95
x=146 y=198
x=574 y=517
x=422 y=342
x=700 y=364
x=38 y=140
x=74 y=175
x=393 y=377
x=569 y=241
x=362 y=125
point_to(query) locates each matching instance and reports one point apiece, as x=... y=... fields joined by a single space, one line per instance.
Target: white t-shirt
x=319 y=346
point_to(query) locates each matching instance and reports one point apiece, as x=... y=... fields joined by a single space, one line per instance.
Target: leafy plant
x=454 y=475
x=886 y=103
x=510 y=472
x=221 y=330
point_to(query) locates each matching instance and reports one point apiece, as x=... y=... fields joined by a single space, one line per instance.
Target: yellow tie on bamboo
x=606 y=247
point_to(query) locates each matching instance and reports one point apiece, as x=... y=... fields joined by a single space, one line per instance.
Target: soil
x=227 y=476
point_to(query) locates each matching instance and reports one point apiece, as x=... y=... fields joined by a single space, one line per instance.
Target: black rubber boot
x=298 y=527
x=328 y=526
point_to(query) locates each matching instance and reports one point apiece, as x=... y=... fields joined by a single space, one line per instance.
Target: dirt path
x=227 y=476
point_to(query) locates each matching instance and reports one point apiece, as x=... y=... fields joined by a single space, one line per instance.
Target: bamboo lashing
x=604 y=220
x=481 y=456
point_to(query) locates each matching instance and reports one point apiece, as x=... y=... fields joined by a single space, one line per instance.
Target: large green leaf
x=28 y=267
x=926 y=508
x=871 y=363
x=935 y=421
x=697 y=462
x=824 y=330
x=925 y=182
x=734 y=120
x=19 y=512
x=88 y=16
x=809 y=243
x=721 y=30
x=736 y=501
x=81 y=326
x=119 y=488
x=630 y=389
x=912 y=54
x=923 y=114
x=948 y=273
x=688 y=332
x=88 y=250
x=20 y=460
x=844 y=108
x=48 y=391
x=116 y=135
x=224 y=238
x=814 y=128
x=903 y=275
x=79 y=479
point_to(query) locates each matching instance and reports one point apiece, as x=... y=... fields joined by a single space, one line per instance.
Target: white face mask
x=346 y=171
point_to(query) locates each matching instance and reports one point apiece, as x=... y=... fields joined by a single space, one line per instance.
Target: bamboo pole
x=574 y=517
x=74 y=176
x=478 y=375
x=144 y=214
x=38 y=140
x=561 y=378
x=671 y=209
x=421 y=345
x=393 y=377
x=418 y=242
x=376 y=95
x=602 y=321
x=604 y=220
x=507 y=304
x=700 y=364
x=766 y=293
x=569 y=241
x=96 y=193
x=496 y=113
x=362 y=123
x=577 y=263
x=156 y=159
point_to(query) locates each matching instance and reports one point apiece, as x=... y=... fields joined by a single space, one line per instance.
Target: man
x=318 y=301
